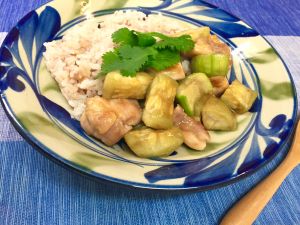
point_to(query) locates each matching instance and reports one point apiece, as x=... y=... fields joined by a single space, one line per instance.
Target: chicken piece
x=220 y=84
x=218 y=46
x=202 y=47
x=194 y=134
x=208 y=45
x=110 y=120
x=129 y=110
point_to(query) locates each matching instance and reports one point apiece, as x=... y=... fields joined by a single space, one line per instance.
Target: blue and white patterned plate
x=39 y=112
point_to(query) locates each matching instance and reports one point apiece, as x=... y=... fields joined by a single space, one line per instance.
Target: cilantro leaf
x=145 y=39
x=124 y=36
x=163 y=59
x=129 y=52
x=133 y=58
x=128 y=59
x=183 y=43
x=157 y=34
x=110 y=62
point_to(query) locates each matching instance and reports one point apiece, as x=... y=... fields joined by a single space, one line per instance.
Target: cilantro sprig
x=138 y=51
x=128 y=59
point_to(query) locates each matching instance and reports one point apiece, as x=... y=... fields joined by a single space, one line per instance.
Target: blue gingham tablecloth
x=34 y=190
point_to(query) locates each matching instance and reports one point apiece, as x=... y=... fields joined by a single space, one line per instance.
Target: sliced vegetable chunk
x=238 y=97
x=118 y=86
x=159 y=105
x=147 y=142
x=199 y=106
x=191 y=90
x=217 y=116
x=211 y=65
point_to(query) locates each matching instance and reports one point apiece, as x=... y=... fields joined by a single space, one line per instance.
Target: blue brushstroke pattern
x=3 y=81
x=6 y=57
x=61 y=114
x=230 y=30
x=203 y=3
x=12 y=44
x=286 y=130
x=178 y=170
x=49 y=24
x=271 y=148
x=12 y=79
x=275 y=122
x=213 y=174
x=188 y=4
x=280 y=128
x=216 y=13
x=252 y=157
x=227 y=29
x=224 y=29
x=27 y=27
x=164 y=4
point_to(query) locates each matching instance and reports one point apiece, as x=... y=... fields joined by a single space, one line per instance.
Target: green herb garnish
x=138 y=51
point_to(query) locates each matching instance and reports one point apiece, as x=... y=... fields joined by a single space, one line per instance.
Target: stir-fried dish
x=154 y=104
x=155 y=90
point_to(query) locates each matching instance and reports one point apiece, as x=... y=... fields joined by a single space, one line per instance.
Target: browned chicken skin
x=110 y=120
x=194 y=134
x=220 y=84
x=209 y=45
x=218 y=46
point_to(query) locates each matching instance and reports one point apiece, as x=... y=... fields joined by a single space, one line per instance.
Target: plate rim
x=65 y=163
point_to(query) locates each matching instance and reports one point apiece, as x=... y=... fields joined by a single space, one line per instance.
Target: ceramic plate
x=38 y=110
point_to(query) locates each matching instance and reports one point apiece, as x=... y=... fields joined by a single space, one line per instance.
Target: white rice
x=75 y=60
